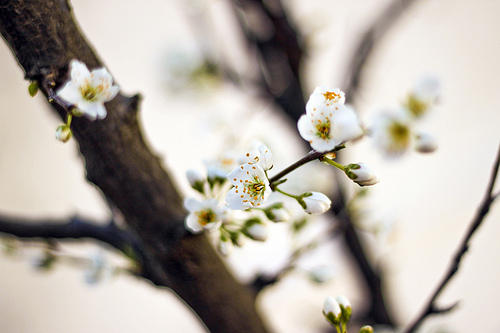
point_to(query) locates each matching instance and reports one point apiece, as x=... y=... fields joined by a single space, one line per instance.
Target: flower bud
x=366 y=329
x=331 y=311
x=425 y=143
x=225 y=246
x=277 y=213
x=256 y=230
x=361 y=174
x=316 y=203
x=345 y=307
x=196 y=180
x=63 y=133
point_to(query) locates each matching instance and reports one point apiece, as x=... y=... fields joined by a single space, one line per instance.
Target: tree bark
x=44 y=38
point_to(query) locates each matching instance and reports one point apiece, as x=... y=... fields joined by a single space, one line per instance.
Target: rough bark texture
x=44 y=39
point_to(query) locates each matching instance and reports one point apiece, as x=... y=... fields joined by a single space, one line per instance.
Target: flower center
x=331 y=96
x=399 y=133
x=323 y=130
x=205 y=217
x=256 y=188
x=90 y=93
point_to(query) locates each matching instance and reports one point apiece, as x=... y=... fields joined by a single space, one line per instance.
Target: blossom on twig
x=88 y=91
x=328 y=122
x=251 y=187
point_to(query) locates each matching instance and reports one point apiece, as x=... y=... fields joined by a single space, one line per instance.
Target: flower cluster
x=338 y=312
x=394 y=131
x=236 y=192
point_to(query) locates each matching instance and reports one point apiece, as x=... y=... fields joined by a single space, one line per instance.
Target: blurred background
x=424 y=202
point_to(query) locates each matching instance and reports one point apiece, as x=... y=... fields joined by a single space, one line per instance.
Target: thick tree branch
x=430 y=308
x=44 y=38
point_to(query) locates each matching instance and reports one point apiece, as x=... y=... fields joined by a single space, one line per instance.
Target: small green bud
x=33 y=88
x=366 y=329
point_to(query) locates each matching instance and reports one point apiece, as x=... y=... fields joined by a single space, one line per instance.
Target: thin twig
x=431 y=308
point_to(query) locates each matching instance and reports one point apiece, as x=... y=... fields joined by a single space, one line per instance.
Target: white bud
x=362 y=174
x=331 y=310
x=257 y=232
x=280 y=215
x=225 y=247
x=345 y=307
x=317 y=203
x=425 y=143
x=63 y=133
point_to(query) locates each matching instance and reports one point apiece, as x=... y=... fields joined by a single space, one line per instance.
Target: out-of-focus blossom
x=392 y=133
x=205 y=215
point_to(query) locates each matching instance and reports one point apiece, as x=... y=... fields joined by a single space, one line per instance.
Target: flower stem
x=311 y=156
x=332 y=162
x=287 y=194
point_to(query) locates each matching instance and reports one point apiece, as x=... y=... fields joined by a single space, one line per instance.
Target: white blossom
x=328 y=122
x=221 y=166
x=88 y=91
x=392 y=133
x=317 y=203
x=361 y=174
x=260 y=154
x=251 y=187
x=206 y=215
x=427 y=89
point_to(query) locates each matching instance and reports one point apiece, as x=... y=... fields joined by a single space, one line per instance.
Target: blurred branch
x=377 y=312
x=431 y=308
x=367 y=43
x=79 y=228
x=277 y=50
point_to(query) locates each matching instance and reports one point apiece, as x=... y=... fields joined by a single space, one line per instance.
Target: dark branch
x=367 y=44
x=79 y=228
x=489 y=197
x=278 y=52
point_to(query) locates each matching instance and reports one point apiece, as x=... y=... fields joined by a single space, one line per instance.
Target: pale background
x=431 y=197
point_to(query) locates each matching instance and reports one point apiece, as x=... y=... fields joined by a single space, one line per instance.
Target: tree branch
x=279 y=52
x=430 y=308
x=366 y=45
x=79 y=228
x=44 y=38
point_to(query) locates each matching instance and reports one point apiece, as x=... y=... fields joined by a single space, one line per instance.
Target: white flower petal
x=79 y=73
x=70 y=93
x=193 y=224
x=192 y=204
